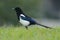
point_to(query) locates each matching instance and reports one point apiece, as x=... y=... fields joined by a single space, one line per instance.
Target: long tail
x=44 y=26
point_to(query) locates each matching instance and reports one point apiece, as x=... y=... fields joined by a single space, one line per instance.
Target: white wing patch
x=22 y=15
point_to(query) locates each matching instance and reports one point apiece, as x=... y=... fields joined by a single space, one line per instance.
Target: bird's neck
x=20 y=14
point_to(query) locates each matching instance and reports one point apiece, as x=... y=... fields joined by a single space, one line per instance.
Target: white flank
x=24 y=22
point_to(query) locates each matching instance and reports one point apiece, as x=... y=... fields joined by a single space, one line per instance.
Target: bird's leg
x=26 y=27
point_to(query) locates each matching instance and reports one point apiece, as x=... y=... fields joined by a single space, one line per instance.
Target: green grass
x=33 y=33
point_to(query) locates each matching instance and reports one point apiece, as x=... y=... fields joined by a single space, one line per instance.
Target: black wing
x=32 y=21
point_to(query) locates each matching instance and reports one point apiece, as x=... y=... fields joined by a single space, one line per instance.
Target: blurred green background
x=33 y=8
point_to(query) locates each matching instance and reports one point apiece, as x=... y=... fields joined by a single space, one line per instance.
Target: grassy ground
x=33 y=33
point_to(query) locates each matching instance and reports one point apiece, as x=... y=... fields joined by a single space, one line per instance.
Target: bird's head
x=17 y=9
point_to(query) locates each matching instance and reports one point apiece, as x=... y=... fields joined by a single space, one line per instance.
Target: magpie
x=26 y=20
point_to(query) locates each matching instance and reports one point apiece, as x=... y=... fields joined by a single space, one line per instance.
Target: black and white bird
x=26 y=20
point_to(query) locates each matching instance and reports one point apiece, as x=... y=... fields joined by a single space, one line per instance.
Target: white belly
x=24 y=22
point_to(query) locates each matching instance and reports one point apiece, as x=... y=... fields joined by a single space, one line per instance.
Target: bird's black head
x=17 y=9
